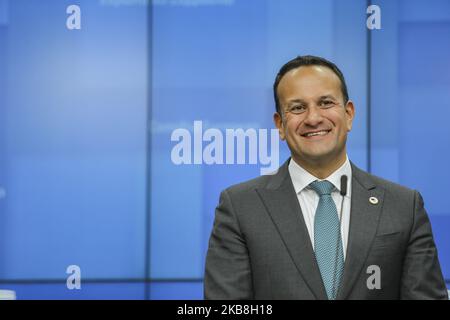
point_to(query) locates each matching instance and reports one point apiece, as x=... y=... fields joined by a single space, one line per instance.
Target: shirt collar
x=302 y=178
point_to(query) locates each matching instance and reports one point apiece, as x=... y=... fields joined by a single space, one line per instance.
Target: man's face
x=311 y=101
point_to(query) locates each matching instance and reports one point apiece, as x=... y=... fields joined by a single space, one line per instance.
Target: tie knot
x=322 y=187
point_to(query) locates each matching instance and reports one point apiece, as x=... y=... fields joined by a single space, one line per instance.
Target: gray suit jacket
x=260 y=247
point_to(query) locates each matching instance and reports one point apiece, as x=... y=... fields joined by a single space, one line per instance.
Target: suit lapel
x=281 y=202
x=364 y=218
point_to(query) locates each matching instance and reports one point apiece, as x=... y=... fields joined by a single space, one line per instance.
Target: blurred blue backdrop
x=86 y=118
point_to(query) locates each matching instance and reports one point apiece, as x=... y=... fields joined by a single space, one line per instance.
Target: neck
x=322 y=168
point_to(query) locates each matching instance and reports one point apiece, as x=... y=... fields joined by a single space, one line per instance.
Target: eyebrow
x=327 y=96
x=296 y=101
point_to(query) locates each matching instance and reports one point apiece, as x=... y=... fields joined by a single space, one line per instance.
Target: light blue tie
x=327 y=238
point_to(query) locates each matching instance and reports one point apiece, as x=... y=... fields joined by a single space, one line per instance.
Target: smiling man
x=320 y=228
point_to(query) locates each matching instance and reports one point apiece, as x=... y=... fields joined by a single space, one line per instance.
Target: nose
x=313 y=116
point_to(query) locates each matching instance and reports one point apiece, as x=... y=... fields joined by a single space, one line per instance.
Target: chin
x=317 y=156
x=316 y=152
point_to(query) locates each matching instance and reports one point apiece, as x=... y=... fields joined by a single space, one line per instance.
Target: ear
x=278 y=119
x=350 y=114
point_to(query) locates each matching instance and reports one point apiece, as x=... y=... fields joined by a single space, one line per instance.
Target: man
x=307 y=232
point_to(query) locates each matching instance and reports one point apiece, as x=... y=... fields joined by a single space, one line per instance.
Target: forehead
x=309 y=82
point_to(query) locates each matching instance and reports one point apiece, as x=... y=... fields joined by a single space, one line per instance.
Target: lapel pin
x=373 y=200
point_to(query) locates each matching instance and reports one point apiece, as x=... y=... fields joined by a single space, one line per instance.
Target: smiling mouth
x=314 y=134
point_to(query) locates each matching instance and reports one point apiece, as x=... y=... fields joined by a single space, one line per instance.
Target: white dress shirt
x=309 y=199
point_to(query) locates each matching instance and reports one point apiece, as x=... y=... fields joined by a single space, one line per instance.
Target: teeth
x=320 y=133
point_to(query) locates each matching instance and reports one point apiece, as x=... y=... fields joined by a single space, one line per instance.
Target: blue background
x=86 y=117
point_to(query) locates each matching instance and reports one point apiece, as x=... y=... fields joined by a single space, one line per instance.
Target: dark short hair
x=308 y=60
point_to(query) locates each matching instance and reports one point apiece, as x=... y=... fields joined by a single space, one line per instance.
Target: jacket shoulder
x=388 y=185
x=392 y=186
x=249 y=185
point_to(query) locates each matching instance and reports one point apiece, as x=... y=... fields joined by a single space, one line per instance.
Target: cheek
x=339 y=122
x=292 y=126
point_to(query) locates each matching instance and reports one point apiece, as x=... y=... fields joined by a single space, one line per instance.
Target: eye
x=298 y=108
x=326 y=104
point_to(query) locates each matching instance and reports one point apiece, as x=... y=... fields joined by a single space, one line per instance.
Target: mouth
x=315 y=134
